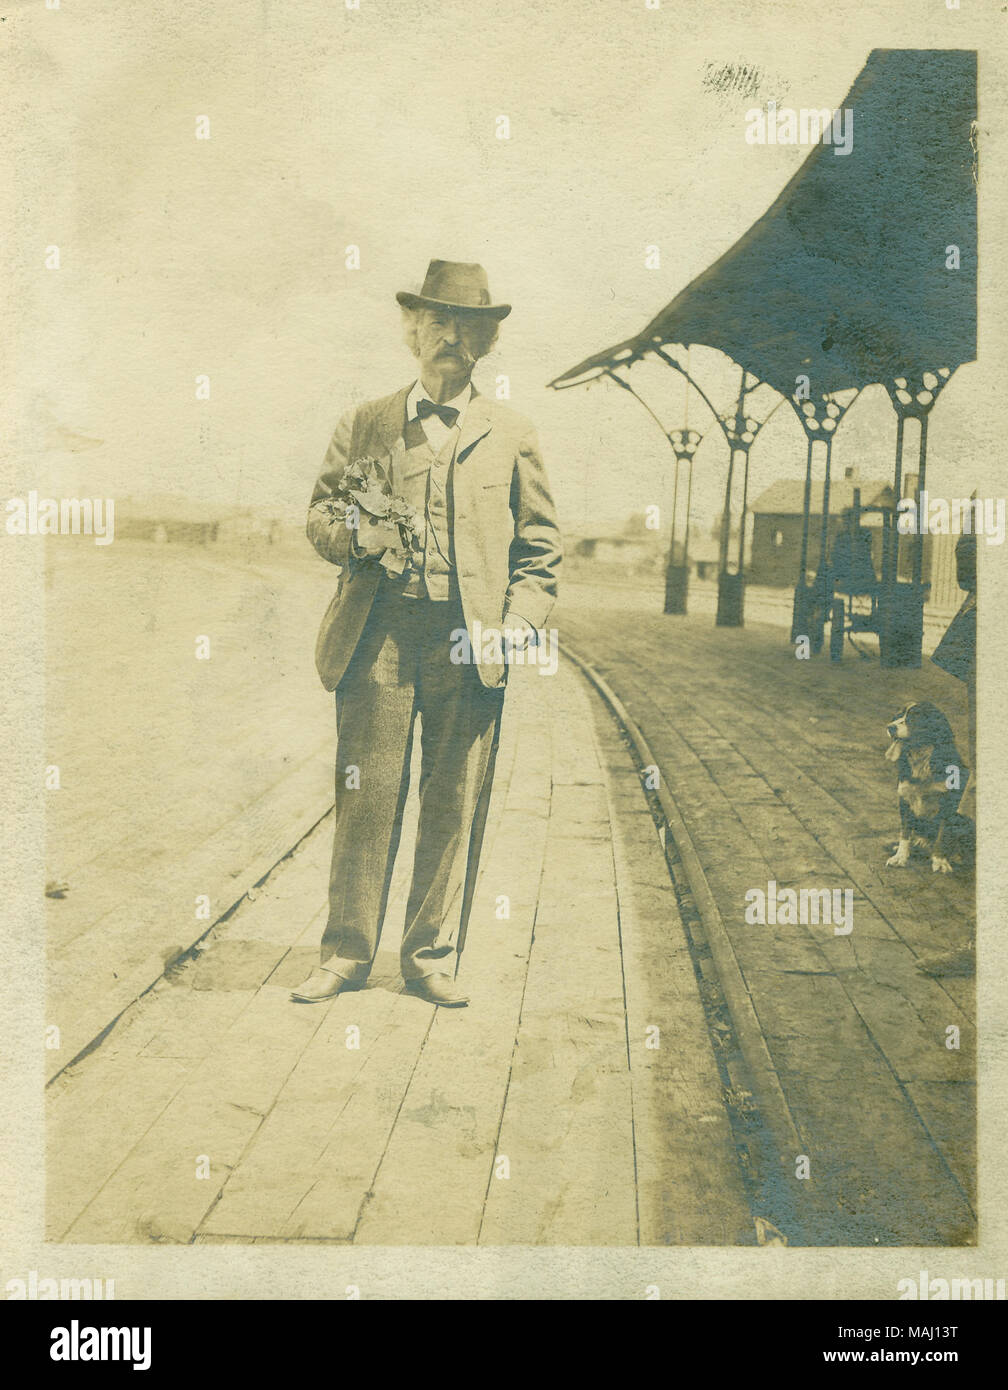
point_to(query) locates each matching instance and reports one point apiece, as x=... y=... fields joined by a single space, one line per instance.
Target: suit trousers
x=401 y=668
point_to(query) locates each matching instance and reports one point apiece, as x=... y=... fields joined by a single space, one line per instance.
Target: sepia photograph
x=507 y=774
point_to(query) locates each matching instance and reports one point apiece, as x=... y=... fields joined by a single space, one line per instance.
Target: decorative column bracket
x=820 y=418
x=912 y=399
x=741 y=431
x=684 y=443
x=902 y=630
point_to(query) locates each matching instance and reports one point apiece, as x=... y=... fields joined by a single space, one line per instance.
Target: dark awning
x=622 y=355
x=844 y=278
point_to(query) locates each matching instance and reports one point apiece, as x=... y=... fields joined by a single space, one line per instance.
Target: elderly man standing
x=487 y=555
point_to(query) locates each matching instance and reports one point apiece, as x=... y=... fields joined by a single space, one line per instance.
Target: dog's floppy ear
x=895 y=749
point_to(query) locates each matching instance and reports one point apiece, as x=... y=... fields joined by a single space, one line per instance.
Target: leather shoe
x=321 y=984
x=438 y=989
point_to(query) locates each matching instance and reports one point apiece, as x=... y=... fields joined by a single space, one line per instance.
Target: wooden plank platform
x=539 y=1115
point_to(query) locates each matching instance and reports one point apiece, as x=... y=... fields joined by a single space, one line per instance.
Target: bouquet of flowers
x=365 y=491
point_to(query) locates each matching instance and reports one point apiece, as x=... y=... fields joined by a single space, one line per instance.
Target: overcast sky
x=376 y=127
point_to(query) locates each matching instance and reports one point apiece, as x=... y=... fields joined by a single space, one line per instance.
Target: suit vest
x=425 y=482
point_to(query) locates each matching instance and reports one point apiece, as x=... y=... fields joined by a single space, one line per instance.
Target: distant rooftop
x=787 y=497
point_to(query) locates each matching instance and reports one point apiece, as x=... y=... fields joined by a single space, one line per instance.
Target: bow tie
x=447 y=414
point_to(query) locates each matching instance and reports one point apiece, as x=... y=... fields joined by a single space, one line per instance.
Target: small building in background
x=169 y=519
x=636 y=551
x=704 y=553
x=629 y=550
x=165 y=518
x=777 y=525
x=777 y=528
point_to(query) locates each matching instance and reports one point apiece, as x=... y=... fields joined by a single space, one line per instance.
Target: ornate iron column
x=685 y=443
x=740 y=430
x=819 y=419
x=902 y=634
x=731 y=587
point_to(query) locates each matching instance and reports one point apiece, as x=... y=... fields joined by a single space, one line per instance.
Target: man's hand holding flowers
x=385 y=526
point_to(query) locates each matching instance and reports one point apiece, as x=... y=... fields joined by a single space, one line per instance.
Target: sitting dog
x=922 y=745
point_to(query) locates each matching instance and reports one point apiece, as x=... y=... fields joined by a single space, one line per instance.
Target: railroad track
x=766 y=1136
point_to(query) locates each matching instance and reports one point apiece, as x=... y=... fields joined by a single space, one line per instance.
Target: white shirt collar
x=418 y=394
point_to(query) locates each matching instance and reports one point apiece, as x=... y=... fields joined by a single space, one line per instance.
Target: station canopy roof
x=844 y=278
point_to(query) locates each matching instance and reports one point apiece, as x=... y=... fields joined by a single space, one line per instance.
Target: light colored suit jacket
x=505 y=538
